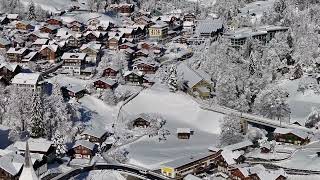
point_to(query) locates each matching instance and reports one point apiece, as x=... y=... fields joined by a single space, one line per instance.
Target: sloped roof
x=16 y=50
x=230 y=156
x=4 y=41
x=84 y=143
x=11 y=163
x=186 y=160
x=52 y=47
x=209 y=26
x=107 y=81
x=26 y=78
x=239 y=145
x=35 y=145
x=75 y=56
x=96 y=132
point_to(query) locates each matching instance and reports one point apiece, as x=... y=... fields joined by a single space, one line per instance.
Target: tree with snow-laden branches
x=230 y=130
x=313 y=118
x=31 y=15
x=173 y=79
x=37 y=121
x=272 y=103
x=59 y=142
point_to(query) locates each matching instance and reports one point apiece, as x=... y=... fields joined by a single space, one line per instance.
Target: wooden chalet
x=146 y=67
x=184 y=133
x=229 y=158
x=293 y=136
x=24 y=26
x=76 y=26
x=31 y=56
x=33 y=36
x=13 y=17
x=49 y=29
x=134 y=77
x=97 y=136
x=123 y=8
x=93 y=51
x=49 y=52
x=91 y=36
x=11 y=166
x=8 y=71
x=110 y=72
x=114 y=42
x=39 y=43
x=74 y=91
x=38 y=146
x=83 y=149
x=127 y=45
x=75 y=40
x=4 y=43
x=16 y=54
x=54 y=22
x=141 y=121
x=103 y=83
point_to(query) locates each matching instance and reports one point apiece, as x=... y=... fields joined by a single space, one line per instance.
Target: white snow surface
x=180 y=111
x=50 y=5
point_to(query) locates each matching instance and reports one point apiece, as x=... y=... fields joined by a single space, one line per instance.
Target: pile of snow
x=101 y=175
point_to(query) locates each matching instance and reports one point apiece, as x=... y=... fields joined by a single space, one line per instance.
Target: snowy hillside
x=51 y=5
x=180 y=111
x=204 y=2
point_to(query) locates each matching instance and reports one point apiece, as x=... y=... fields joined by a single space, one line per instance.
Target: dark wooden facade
x=82 y=152
x=49 y=54
x=140 y=122
x=99 y=84
x=54 y=22
x=110 y=72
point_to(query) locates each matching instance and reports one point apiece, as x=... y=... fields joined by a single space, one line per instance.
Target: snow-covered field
x=180 y=111
x=300 y=104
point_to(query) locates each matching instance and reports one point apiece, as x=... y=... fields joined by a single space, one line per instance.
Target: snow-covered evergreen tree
x=31 y=11
x=37 y=126
x=173 y=79
x=230 y=130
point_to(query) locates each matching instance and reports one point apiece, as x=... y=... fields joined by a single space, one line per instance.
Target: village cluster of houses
x=230 y=160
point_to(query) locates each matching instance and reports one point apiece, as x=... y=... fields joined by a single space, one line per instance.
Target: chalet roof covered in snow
x=300 y=133
x=12 y=16
x=74 y=56
x=107 y=81
x=97 y=132
x=12 y=163
x=183 y=130
x=40 y=41
x=84 y=143
x=11 y=67
x=186 y=160
x=230 y=156
x=239 y=145
x=26 y=78
x=92 y=45
x=159 y=24
x=35 y=145
x=191 y=76
x=52 y=47
x=75 y=88
x=16 y=50
x=136 y=72
x=247 y=32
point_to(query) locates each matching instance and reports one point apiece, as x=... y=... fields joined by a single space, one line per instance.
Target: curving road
x=127 y=169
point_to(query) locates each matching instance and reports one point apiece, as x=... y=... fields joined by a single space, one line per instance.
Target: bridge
x=135 y=171
x=255 y=120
